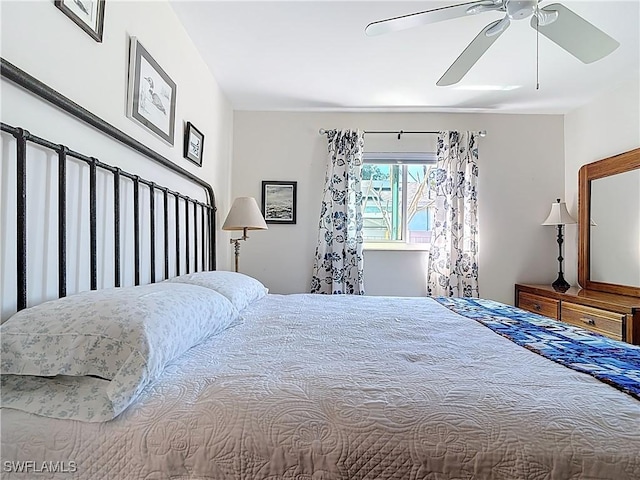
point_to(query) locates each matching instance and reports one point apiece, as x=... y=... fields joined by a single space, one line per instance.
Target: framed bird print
x=87 y=14
x=193 y=144
x=151 y=96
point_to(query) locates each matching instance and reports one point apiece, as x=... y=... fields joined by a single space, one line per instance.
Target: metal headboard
x=202 y=213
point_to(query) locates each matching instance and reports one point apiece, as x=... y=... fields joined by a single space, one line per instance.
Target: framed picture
x=193 y=144
x=87 y=14
x=151 y=96
x=279 y=202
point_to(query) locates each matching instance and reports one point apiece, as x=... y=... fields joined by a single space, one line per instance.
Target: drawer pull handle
x=537 y=307
x=588 y=321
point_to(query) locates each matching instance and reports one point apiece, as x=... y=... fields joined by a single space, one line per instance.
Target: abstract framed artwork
x=87 y=14
x=279 y=202
x=151 y=95
x=193 y=144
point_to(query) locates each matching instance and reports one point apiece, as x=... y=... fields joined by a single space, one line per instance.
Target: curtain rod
x=323 y=131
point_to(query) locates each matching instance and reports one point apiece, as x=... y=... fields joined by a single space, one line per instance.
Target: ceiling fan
x=562 y=26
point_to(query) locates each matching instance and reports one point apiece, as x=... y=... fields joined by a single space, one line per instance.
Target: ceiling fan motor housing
x=519 y=9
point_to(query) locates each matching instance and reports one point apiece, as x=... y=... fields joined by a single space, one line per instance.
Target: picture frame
x=279 y=202
x=87 y=14
x=151 y=94
x=193 y=144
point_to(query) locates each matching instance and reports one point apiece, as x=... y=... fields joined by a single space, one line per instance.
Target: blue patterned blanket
x=613 y=362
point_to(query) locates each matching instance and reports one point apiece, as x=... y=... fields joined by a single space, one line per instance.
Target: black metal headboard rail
x=192 y=208
x=201 y=213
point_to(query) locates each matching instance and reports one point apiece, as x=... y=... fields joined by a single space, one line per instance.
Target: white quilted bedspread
x=319 y=387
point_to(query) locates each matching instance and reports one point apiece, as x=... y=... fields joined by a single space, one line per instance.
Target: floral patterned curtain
x=453 y=257
x=338 y=264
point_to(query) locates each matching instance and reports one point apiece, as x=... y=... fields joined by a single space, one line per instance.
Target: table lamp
x=559 y=216
x=244 y=215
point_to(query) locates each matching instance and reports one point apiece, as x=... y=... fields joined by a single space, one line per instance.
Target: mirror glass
x=615 y=229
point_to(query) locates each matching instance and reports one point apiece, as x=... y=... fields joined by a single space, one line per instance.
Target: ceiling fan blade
x=472 y=53
x=423 y=18
x=577 y=36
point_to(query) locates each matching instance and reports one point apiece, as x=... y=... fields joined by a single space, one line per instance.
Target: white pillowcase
x=125 y=336
x=240 y=289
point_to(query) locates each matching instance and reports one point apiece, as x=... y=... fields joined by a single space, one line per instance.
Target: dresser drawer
x=537 y=304
x=600 y=321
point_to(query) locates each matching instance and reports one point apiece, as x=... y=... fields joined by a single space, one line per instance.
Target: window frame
x=403 y=159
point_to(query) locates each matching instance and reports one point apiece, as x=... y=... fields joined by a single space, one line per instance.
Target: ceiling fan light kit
x=562 y=26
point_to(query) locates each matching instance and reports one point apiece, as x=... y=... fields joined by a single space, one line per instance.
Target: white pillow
x=240 y=289
x=126 y=336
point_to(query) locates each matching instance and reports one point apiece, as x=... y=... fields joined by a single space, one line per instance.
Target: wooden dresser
x=617 y=316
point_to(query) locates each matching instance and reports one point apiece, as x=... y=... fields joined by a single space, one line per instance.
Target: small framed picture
x=87 y=14
x=151 y=96
x=279 y=202
x=193 y=144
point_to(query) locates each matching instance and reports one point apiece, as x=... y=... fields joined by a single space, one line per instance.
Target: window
x=397 y=203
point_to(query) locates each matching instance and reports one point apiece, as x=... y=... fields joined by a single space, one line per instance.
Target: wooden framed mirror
x=609 y=224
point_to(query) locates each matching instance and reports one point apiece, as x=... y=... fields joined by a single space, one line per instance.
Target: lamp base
x=236 y=248
x=560 y=285
x=236 y=245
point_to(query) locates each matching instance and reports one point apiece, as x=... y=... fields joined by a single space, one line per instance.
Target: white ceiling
x=314 y=55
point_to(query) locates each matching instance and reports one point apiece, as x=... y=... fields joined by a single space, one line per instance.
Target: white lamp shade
x=244 y=213
x=559 y=215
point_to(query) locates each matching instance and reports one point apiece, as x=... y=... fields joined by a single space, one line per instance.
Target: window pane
x=378 y=202
x=419 y=205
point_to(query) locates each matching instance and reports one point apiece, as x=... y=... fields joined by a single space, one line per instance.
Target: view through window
x=397 y=203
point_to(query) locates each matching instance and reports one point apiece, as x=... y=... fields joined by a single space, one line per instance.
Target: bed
x=260 y=386
x=309 y=386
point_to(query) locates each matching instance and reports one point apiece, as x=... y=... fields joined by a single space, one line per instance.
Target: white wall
x=607 y=126
x=521 y=174
x=396 y=273
x=38 y=38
